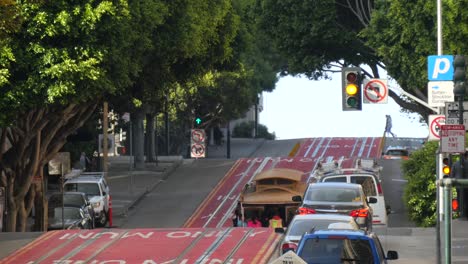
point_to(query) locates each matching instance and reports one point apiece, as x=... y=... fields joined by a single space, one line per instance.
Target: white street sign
x=452 y=115
x=435 y=122
x=452 y=138
x=439 y=92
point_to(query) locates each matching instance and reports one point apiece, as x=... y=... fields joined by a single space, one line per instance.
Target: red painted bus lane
x=146 y=246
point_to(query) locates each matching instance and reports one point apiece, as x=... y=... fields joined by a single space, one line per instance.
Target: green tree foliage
x=244 y=130
x=420 y=192
x=314 y=36
x=54 y=68
x=403 y=33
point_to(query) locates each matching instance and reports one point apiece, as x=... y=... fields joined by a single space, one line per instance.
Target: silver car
x=301 y=224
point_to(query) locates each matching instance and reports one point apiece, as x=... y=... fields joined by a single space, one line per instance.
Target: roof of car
x=323 y=216
x=283 y=173
x=84 y=179
x=335 y=184
x=68 y=193
x=338 y=232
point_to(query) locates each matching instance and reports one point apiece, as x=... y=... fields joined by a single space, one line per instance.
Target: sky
x=301 y=108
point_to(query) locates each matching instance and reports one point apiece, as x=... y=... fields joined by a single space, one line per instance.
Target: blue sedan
x=343 y=246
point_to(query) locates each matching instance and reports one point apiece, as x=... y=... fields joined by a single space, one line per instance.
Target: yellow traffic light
x=446 y=170
x=351 y=89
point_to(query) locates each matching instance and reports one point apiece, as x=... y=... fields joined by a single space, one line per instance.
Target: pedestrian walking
x=84 y=161
x=388 y=126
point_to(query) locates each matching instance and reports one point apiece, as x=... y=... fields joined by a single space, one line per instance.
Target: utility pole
x=105 y=126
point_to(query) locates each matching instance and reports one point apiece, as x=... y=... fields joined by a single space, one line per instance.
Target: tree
x=319 y=37
x=54 y=69
x=403 y=34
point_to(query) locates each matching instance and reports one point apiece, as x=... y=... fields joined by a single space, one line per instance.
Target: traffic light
x=198 y=121
x=459 y=75
x=446 y=168
x=351 y=89
x=455 y=205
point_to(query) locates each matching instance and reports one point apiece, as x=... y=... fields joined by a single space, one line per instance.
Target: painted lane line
x=371 y=147
x=234 y=204
x=310 y=146
x=233 y=188
x=206 y=201
x=317 y=148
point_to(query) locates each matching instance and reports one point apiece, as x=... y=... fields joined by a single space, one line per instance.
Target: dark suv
x=337 y=198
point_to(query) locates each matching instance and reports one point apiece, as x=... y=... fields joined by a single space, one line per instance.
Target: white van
x=371 y=185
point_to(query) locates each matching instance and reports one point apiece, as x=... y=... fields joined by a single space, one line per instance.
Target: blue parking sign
x=440 y=68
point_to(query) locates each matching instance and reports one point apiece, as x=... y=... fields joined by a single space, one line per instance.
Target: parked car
x=96 y=189
x=396 y=153
x=302 y=224
x=73 y=218
x=71 y=199
x=343 y=246
x=338 y=198
x=371 y=186
x=272 y=190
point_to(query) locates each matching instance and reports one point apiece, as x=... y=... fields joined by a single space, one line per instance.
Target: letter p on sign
x=440 y=68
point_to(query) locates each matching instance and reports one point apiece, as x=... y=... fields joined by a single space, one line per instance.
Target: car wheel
x=103 y=220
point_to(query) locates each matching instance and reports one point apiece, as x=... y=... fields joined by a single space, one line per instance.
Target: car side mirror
x=297 y=198
x=279 y=230
x=372 y=200
x=391 y=254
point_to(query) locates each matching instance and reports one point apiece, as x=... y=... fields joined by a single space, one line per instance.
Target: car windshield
x=367 y=183
x=74 y=199
x=90 y=189
x=326 y=194
x=299 y=227
x=338 y=249
x=397 y=152
x=69 y=213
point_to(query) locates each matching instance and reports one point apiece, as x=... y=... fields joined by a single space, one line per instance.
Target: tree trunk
x=34 y=139
x=150 y=135
x=22 y=218
x=139 y=137
x=39 y=207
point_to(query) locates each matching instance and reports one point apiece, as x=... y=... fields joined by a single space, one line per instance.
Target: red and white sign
x=197 y=150
x=198 y=136
x=197 y=143
x=435 y=123
x=375 y=91
x=452 y=138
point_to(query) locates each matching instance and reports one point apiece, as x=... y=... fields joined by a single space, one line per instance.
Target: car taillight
x=359 y=213
x=305 y=210
x=288 y=246
x=379 y=189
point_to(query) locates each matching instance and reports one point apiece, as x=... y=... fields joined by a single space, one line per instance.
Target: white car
x=96 y=189
x=301 y=224
x=371 y=186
